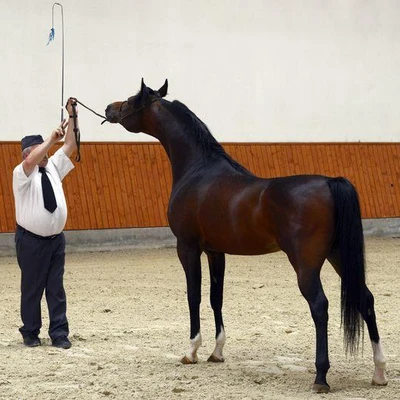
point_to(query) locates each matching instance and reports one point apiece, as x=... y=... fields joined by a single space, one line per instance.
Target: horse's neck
x=184 y=151
x=182 y=155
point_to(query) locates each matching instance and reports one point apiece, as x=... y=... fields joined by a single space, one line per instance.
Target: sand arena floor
x=129 y=328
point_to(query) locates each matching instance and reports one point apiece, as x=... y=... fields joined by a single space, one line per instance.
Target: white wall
x=256 y=70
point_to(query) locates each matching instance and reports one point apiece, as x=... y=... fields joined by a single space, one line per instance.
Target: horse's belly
x=241 y=245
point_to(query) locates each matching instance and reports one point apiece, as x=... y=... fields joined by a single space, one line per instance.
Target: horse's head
x=129 y=113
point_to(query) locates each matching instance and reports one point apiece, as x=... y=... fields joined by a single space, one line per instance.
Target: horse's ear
x=163 y=89
x=144 y=90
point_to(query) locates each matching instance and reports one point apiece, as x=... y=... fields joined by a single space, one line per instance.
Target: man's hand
x=71 y=102
x=59 y=132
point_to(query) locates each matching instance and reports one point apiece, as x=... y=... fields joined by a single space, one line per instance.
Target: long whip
x=74 y=116
x=51 y=38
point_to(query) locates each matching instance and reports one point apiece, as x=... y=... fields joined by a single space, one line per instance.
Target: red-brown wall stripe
x=121 y=185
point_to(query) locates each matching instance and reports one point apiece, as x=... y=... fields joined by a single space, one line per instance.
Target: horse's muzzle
x=111 y=114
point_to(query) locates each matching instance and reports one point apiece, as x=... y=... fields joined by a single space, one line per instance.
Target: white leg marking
x=379 y=377
x=219 y=345
x=195 y=343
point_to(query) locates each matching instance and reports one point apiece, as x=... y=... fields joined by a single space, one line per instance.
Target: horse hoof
x=318 y=388
x=186 y=360
x=215 y=359
x=376 y=383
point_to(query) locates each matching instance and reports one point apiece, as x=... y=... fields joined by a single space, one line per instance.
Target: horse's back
x=243 y=214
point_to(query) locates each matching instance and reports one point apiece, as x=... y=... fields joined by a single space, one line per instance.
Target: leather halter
x=122 y=117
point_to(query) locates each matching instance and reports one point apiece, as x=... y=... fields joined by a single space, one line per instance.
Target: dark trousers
x=41 y=261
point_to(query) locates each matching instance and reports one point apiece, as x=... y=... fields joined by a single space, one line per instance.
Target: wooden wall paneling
x=244 y=158
x=362 y=189
x=394 y=163
x=376 y=178
x=290 y=150
x=393 y=178
x=117 y=175
x=10 y=162
x=256 y=155
x=148 y=186
x=308 y=155
x=264 y=162
x=296 y=155
x=337 y=156
x=136 y=179
x=83 y=174
x=132 y=195
x=112 y=185
x=138 y=182
x=91 y=169
x=128 y=214
x=380 y=167
x=5 y=181
x=128 y=184
x=102 y=189
x=157 y=195
x=329 y=162
x=164 y=189
x=284 y=161
x=269 y=167
x=388 y=175
x=373 y=181
x=284 y=164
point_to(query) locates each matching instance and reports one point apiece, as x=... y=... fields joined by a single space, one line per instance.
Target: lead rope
x=94 y=112
x=77 y=133
x=76 y=129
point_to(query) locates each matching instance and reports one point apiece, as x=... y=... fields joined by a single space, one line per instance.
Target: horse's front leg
x=216 y=262
x=189 y=257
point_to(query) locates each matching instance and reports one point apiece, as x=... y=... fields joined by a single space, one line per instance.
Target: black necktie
x=49 y=199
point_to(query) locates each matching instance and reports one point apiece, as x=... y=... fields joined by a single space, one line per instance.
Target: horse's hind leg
x=189 y=256
x=368 y=313
x=379 y=378
x=311 y=288
x=216 y=263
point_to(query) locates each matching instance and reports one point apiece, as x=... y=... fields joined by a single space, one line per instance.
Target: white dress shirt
x=29 y=205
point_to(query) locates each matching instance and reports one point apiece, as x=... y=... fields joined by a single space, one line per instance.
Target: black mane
x=197 y=129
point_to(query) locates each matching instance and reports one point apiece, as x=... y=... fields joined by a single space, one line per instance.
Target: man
x=41 y=213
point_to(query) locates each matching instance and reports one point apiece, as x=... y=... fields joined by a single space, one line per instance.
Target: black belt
x=19 y=227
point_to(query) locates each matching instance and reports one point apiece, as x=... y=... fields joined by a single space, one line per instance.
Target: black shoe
x=31 y=341
x=62 y=342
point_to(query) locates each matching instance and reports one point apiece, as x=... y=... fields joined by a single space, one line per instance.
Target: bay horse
x=218 y=207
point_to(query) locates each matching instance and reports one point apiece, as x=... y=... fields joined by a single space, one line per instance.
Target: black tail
x=349 y=241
